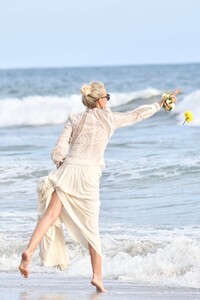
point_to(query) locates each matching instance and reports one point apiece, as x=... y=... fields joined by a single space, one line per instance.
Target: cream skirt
x=77 y=187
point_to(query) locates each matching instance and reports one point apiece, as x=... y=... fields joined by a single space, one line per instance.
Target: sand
x=49 y=287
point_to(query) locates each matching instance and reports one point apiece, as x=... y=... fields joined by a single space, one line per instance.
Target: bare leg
x=52 y=213
x=96 y=268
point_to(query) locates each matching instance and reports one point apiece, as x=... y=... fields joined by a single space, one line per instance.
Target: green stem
x=185 y=121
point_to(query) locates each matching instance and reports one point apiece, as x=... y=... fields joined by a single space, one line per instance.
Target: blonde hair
x=91 y=92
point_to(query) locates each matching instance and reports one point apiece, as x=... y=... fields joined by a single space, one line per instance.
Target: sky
x=72 y=33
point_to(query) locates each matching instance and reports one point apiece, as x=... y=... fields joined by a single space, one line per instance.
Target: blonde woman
x=70 y=195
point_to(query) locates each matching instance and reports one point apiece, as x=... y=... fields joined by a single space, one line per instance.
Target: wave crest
x=189 y=103
x=47 y=110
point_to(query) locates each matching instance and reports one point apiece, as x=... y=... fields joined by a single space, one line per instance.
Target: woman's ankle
x=97 y=276
x=27 y=254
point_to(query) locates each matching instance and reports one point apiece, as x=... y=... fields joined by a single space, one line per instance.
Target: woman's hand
x=174 y=94
x=171 y=95
x=60 y=163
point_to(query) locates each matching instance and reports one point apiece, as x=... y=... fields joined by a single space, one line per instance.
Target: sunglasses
x=107 y=97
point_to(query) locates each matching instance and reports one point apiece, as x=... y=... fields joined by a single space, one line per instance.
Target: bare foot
x=97 y=282
x=24 y=265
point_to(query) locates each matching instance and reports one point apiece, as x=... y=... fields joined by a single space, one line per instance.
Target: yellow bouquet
x=169 y=99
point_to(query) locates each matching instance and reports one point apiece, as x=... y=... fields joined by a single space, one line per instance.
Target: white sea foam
x=44 y=110
x=190 y=102
x=37 y=110
x=173 y=262
x=123 y=98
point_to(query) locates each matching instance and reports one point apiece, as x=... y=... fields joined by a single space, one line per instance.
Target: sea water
x=150 y=203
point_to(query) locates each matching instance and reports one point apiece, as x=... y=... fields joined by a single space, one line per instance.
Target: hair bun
x=90 y=92
x=85 y=90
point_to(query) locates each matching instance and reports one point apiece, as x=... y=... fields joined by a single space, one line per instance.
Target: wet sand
x=49 y=287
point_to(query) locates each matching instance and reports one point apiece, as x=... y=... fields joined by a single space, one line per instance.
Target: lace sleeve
x=134 y=116
x=60 y=150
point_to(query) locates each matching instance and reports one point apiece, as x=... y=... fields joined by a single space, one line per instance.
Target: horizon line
x=98 y=66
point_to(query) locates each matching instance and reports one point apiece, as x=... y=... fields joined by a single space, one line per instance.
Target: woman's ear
x=101 y=103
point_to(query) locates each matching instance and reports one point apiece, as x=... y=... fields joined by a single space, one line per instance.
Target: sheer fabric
x=95 y=133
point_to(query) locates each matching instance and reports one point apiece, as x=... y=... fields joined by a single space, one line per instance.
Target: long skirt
x=77 y=187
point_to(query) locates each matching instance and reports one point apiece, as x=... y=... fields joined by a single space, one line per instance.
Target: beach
x=49 y=288
x=149 y=190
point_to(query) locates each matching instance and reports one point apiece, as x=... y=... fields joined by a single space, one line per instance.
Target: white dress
x=81 y=148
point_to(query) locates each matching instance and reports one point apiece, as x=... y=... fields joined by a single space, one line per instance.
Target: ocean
x=150 y=203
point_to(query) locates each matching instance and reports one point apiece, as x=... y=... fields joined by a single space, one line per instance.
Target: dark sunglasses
x=107 y=97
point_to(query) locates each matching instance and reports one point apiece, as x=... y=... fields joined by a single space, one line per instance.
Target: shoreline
x=44 y=286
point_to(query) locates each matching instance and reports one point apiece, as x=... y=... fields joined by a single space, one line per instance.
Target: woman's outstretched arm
x=141 y=113
x=131 y=117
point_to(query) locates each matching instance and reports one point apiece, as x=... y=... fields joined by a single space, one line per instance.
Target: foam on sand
x=173 y=261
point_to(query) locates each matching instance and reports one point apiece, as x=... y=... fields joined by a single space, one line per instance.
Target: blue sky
x=51 y=33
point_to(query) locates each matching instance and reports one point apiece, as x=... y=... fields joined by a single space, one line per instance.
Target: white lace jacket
x=85 y=135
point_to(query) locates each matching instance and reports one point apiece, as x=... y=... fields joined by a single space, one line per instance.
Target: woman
x=70 y=195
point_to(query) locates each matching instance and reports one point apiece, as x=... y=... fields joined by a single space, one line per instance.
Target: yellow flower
x=188 y=116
